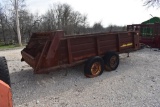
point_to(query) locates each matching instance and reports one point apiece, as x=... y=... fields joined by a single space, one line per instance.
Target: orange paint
x=5 y=95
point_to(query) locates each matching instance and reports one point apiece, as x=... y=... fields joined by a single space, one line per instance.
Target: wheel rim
x=96 y=68
x=113 y=61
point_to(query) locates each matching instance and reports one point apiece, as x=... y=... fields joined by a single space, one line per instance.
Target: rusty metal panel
x=69 y=51
x=107 y=37
x=83 y=54
x=118 y=42
x=106 y=49
x=106 y=43
x=97 y=47
x=29 y=59
x=89 y=47
x=41 y=57
x=81 y=40
x=80 y=47
x=136 y=41
x=54 y=44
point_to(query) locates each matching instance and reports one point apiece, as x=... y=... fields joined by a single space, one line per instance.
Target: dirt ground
x=136 y=83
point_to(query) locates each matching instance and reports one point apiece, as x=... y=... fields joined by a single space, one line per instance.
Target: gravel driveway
x=136 y=83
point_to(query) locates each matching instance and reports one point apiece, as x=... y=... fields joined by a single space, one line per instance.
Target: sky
x=116 y=12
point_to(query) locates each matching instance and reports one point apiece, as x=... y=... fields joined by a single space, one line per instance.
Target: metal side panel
x=28 y=59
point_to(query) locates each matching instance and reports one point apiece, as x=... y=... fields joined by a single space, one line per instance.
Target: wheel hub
x=113 y=61
x=96 y=68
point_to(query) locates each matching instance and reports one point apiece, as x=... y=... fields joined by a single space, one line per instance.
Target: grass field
x=6 y=47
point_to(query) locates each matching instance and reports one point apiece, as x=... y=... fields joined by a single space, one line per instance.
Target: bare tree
x=97 y=27
x=4 y=28
x=2 y=24
x=13 y=7
x=154 y=3
x=17 y=23
x=63 y=17
x=58 y=17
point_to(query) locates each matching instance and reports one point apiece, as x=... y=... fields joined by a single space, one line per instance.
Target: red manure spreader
x=47 y=51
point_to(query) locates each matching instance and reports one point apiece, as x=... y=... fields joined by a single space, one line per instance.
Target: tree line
x=57 y=17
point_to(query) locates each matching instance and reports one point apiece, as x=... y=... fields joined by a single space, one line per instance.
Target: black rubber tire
x=107 y=63
x=88 y=65
x=4 y=72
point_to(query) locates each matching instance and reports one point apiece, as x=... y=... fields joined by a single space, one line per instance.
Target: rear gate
x=39 y=45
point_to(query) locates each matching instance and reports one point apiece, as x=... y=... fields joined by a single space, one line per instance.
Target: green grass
x=6 y=47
